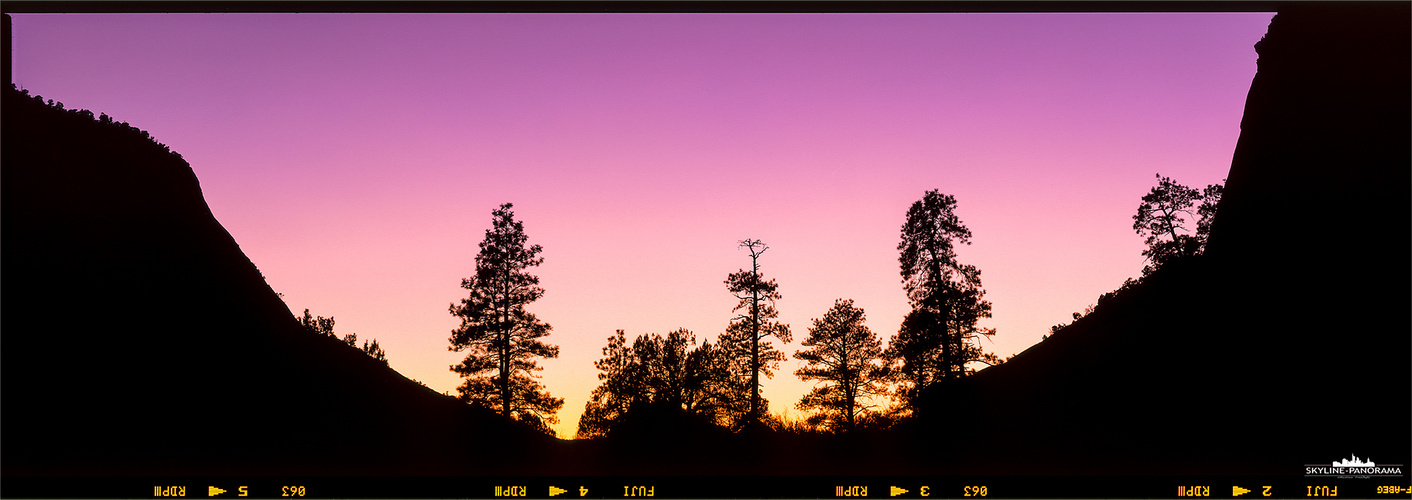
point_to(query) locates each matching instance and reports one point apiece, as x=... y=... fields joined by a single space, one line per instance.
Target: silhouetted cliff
x=139 y=339
x=1238 y=362
x=1312 y=243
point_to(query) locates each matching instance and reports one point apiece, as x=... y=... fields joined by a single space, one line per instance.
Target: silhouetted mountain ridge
x=138 y=338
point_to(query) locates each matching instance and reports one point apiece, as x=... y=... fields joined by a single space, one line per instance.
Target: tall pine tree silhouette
x=935 y=341
x=746 y=340
x=501 y=337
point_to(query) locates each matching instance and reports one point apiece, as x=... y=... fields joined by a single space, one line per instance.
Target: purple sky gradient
x=356 y=158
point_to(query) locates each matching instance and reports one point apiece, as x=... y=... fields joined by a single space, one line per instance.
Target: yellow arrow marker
x=555 y=491
x=1238 y=491
x=213 y=491
x=583 y=491
x=898 y=491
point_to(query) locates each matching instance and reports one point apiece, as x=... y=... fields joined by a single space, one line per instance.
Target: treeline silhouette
x=83 y=117
x=859 y=383
x=324 y=326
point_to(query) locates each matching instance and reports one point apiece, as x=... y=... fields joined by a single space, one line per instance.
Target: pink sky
x=356 y=158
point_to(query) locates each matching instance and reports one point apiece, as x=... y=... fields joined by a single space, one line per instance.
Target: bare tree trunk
x=505 y=361
x=850 y=391
x=755 y=344
x=504 y=381
x=1171 y=227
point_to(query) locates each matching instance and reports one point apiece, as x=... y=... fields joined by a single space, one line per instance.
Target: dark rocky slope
x=1288 y=343
x=138 y=339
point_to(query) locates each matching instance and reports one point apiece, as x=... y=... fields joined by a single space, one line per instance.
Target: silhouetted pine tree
x=746 y=342
x=1160 y=220
x=1206 y=212
x=845 y=355
x=619 y=389
x=317 y=325
x=935 y=341
x=375 y=351
x=501 y=336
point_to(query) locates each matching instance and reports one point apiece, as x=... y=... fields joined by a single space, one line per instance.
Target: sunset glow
x=356 y=157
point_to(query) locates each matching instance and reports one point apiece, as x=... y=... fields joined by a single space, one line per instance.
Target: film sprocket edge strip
x=763 y=487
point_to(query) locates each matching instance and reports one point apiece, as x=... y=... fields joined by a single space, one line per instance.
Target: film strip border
x=703 y=487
